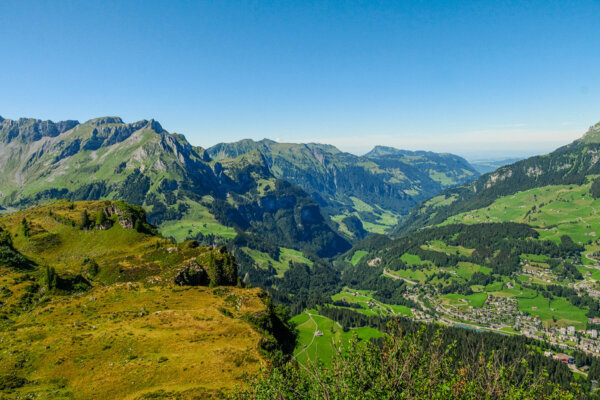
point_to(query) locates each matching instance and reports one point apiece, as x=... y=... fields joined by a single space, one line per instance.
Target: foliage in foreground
x=404 y=367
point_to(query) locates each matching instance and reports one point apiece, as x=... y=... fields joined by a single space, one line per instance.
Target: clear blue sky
x=474 y=78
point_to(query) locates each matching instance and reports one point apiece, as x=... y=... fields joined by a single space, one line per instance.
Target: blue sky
x=475 y=78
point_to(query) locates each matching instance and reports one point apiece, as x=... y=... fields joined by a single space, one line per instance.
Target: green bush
x=8 y=382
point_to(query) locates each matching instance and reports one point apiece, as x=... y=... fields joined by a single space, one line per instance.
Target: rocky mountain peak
x=104 y=120
x=32 y=130
x=592 y=135
x=154 y=125
x=379 y=151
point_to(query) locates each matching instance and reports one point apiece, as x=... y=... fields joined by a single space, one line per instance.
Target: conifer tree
x=100 y=218
x=85 y=219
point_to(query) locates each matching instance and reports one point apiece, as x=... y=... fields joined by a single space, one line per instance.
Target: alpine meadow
x=336 y=200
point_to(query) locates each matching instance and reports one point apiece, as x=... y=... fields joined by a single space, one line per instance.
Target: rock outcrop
x=192 y=274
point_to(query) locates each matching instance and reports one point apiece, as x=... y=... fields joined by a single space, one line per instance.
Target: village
x=502 y=315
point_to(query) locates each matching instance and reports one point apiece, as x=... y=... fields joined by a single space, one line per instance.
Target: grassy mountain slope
x=377 y=189
x=568 y=165
x=446 y=169
x=554 y=210
x=90 y=309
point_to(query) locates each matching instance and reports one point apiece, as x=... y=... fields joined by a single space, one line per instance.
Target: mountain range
x=334 y=197
x=378 y=188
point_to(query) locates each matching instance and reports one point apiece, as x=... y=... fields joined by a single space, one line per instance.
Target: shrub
x=8 y=382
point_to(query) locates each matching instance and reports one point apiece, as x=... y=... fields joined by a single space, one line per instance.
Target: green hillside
x=92 y=301
x=569 y=165
x=554 y=210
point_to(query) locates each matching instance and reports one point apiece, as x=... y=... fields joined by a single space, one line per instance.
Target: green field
x=363 y=297
x=312 y=347
x=440 y=201
x=518 y=290
x=414 y=260
x=555 y=210
x=198 y=219
x=564 y=313
x=285 y=256
x=474 y=300
x=357 y=256
x=594 y=272
x=466 y=269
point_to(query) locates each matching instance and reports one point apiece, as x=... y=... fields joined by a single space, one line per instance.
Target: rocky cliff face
x=31 y=130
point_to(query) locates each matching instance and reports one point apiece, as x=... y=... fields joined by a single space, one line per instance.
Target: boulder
x=192 y=274
x=127 y=222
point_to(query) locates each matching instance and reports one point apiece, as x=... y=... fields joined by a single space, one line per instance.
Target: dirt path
x=386 y=273
x=589 y=257
x=313 y=338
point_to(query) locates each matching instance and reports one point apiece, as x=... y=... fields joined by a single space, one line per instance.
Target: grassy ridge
x=556 y=210
x=128 y=329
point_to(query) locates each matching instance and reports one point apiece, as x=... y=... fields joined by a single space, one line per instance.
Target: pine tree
x=85 y=219
x=51 y=278
x=215 y=270
x=93 y=268
x=25 y=227
x=100 y=218
x=230 y=270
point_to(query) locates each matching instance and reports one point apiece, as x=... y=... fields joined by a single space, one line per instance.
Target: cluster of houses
x=500 y=312
x=542 y=274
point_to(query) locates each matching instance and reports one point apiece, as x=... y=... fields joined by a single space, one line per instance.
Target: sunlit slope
x=133 y=340
x=556 y=210
x=573 y=164
x=93 y=303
